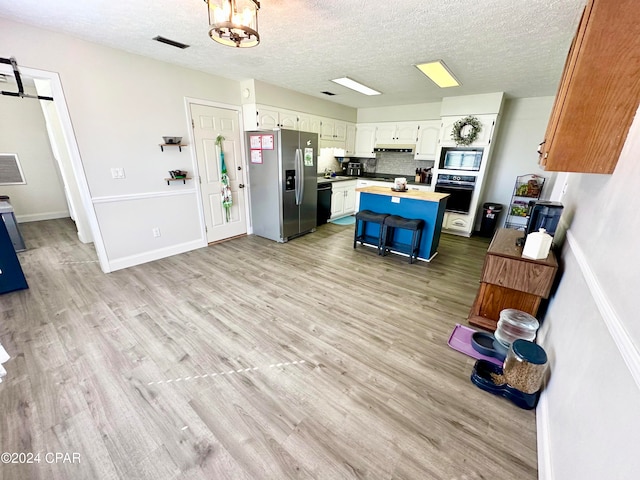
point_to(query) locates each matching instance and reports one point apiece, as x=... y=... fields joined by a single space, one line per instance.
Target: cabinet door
x=406 y=133
x=268 y=118
x=592 y=114
x=350 y=141
x=484 y=136
x=365 y=140
x=427 y=145
x=340 y=131
x=350 y=200
x=304 y=122
x=337 y=202
x=327 y=128
x=288 y=119
x=385 y=134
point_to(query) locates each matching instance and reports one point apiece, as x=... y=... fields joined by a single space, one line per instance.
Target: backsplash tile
x=399 y=163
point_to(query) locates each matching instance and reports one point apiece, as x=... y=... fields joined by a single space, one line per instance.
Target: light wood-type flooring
x=251 y=359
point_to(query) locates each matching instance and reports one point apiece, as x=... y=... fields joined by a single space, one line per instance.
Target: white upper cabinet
x=484 y=136
x=427 y=144
x=385 y=133
x=308 y=123
x=288 y=119
x=350 y=142
x=268 y=118
x=396 y=133
x=365 y=140
x=333 y=130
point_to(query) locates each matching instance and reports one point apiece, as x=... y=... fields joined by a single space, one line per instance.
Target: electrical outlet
x=156 y=232
x=117 y=173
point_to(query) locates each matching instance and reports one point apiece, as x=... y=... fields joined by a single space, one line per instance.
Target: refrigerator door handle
x=302 y=179
x=299 y=176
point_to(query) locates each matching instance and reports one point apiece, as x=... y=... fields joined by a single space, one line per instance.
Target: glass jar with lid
x=514 y=324
x=525 y=366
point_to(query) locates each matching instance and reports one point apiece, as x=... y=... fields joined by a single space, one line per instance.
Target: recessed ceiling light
x=353 y=85
x=438 y=73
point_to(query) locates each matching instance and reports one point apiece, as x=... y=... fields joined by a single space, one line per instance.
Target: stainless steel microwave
x=461 y=159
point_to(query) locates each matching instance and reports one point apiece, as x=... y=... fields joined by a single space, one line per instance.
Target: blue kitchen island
x=427 y=206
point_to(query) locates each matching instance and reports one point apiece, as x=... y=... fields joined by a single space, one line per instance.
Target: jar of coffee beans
x=525 y=366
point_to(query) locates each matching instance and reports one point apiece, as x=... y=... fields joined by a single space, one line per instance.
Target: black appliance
x=460 y=189
x=354 y=169
x=324 y=203
x=545 y=215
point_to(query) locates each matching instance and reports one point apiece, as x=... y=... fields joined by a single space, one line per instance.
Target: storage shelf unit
x=527 y=188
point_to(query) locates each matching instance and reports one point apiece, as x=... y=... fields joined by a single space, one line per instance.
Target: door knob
x=239 y=168
x=241 y=185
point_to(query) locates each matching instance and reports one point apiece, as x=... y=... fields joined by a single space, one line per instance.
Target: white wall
x=400 y=113
x=522 y=126
x=23 y=131
x=60 y=147
x=588 y=420
x=120 y=106
x=267 y=94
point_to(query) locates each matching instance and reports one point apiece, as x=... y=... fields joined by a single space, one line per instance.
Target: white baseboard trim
x=36 y=217
x=133 y=260
x=616 y=328
x=545 y=471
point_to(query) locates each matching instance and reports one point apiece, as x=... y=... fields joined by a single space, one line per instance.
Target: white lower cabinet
x=458 y=223
x=343 y=198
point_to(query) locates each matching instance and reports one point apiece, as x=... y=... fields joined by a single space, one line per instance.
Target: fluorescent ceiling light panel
x=439 y=74
x=353 y=85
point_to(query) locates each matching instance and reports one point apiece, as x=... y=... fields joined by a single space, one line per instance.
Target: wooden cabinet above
x=599 y=91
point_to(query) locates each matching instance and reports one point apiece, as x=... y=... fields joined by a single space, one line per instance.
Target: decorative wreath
x=471 y=136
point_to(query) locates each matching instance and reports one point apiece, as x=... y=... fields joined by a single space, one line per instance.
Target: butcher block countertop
x=411 y=194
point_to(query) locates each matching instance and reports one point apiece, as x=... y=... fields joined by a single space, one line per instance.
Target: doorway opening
x=67 y=155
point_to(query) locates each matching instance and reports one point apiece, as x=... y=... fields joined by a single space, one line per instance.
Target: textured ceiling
x=515 y=46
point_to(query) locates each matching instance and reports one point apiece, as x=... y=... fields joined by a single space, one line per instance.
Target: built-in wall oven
x=460 y=189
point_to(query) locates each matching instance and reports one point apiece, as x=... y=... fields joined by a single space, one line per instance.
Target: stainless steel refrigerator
x=283 y=182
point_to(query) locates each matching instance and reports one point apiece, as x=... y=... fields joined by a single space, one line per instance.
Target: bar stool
x=395 y=221
x=362 y=217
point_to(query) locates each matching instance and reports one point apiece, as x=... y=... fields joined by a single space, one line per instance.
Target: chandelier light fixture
x=234 y=22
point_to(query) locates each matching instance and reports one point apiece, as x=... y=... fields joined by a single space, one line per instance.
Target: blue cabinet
x=11 y=276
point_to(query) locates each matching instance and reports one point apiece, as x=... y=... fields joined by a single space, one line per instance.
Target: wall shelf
x=179 y=145
x=183 y=180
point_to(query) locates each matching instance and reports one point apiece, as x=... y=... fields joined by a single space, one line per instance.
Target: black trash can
x=490 y=214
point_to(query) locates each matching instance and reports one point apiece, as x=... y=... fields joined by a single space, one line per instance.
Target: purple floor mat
x=460 y=340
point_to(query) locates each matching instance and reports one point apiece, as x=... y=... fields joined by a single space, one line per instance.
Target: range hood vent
x=395 y=148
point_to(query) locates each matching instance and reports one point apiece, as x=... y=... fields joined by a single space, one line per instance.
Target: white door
x=208 y=123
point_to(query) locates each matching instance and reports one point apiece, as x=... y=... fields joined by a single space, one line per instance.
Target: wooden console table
x=510 y=281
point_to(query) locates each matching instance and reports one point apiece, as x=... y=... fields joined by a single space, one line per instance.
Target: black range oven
x=460 y=190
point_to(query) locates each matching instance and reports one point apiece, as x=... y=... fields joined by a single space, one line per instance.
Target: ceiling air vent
x=329 y=93
x=173 y=43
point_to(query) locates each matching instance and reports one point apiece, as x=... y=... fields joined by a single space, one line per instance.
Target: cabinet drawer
x=519 y=274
